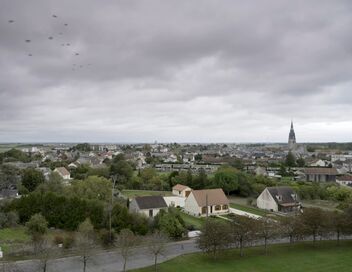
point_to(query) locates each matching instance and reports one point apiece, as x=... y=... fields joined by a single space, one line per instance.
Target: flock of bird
x=65 y=44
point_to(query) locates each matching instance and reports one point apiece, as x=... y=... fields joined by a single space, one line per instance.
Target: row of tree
x=242 y=231
x=85 y=242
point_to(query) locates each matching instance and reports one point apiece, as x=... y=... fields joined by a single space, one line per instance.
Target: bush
x=105 y=238
x=58 y=239
x=69 y=241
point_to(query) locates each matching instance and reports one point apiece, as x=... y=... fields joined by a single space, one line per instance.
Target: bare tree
x=215 y=236
x=85 y=241
x=126 y=241
x=266 y=229
x=243 y=231
x=156 y=245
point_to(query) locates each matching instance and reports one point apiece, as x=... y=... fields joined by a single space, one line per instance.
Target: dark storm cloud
x=175 y=70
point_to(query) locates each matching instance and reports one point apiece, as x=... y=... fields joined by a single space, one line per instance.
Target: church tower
x=291 y=138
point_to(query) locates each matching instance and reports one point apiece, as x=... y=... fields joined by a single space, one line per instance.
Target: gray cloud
x=175 y=70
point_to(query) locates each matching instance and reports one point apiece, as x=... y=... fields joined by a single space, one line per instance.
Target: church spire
x=291 y=138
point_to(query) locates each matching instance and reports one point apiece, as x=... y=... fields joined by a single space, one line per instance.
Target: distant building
x=344 y=180
x=63 y=172
x=278 y=199
x=320 y=174
x=150 y=206
x=292 y=138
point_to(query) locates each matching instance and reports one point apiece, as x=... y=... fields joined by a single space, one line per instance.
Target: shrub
x=69 y=241
x=105 y=238
x=58 y=239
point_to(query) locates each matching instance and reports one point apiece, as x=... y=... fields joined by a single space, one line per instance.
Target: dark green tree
x=31 y=178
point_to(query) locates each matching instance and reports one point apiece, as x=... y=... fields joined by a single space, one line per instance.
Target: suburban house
x=63 y=172
x=320 y=174
x=345 y=180
x=147 y=205
x=278 y=199
x=181 y=190
x=206 y=202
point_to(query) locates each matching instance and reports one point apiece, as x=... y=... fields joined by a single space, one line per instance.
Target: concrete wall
x=175 y=201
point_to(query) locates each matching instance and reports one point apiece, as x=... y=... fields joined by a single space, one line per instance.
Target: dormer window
x=279 y=197
x=294 y=196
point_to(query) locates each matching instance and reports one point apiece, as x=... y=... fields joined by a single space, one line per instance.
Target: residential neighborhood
x=172 y=136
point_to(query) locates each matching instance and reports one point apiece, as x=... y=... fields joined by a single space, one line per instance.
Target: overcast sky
x=185 y=71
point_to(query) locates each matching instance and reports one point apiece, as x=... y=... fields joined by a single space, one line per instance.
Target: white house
x=181 y=190
x=345 y=180
x=207 y=202
x=282 y=199
x=150 y=206
x=63 y=172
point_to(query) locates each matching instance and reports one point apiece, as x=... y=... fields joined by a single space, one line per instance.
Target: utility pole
x=111 y=205
x=206 y=204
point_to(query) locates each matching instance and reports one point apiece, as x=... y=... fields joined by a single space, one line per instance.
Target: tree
x=31 y=178
x=266 y=229
x=37 y=227
x=125 y=241
x=198 y=157
x=312 y=220
x=93 y=187
x=215 y=237
x=338 y=223
x=291 y=226
x=301 y=162
x=121 y=169
x=156 y=245
x=226 y=178
x=170 y=223
x=243 y=231
x=290 y=160
x=85 y=241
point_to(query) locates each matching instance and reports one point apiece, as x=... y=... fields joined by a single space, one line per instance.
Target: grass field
x=197 y=222
x=249 y=209
x=134 y=193
x=14 y=235
x=324 y=257
x=323 y=204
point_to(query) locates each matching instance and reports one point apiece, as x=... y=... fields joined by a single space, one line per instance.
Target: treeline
x=312 y=224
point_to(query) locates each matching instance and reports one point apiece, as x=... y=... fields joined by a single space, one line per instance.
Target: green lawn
x=134 y=193
x=324 y=257
x=249 y=209
x=14 y=235
x=197 y=222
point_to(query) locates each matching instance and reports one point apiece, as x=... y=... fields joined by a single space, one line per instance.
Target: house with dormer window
x=278 y=199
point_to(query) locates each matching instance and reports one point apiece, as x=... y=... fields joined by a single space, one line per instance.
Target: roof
x=283 y=195
x=150 y=202
x=320 y=171
x=210 y=197
x=345 y=178
x=62 y=171
x=180 y=187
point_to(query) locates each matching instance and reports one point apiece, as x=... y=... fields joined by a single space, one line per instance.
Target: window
x=204 y=210
x=150 y=213
x=225 y=207
x=217 y=207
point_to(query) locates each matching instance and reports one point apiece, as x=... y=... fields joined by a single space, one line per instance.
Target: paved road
x=113 y=262
x=110 y=261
